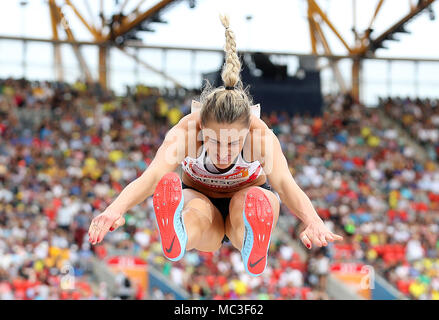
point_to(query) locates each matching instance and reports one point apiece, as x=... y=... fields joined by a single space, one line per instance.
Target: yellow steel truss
x=363 y=45
x=101 y=38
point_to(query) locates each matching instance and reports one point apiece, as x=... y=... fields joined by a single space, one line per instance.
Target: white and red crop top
x=202 y=171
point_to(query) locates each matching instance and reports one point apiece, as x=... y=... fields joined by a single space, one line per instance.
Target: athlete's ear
x=195 y=106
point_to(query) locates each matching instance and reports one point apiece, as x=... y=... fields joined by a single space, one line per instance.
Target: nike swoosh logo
x=172 y=244
x=252 y=265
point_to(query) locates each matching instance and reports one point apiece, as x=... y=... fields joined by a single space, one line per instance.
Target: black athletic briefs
x=222 y=204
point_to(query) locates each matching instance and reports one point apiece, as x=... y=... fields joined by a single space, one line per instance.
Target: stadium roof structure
x=365 y=45
x=115 y=30
x=122 y=27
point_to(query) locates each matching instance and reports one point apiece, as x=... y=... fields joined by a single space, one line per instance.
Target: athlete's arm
x=276 y=167
x=168 y=157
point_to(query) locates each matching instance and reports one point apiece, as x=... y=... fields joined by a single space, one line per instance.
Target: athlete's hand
x=318 y=233
x=101 y=224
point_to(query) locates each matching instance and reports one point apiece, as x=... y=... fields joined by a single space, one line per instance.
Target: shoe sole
x=258 y=222
x=168 y=206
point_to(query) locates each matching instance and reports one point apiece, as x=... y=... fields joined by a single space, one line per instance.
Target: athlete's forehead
x=230 y=139
x=224 y=134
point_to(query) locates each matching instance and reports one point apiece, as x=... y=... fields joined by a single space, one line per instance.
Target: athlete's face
x=224 y=141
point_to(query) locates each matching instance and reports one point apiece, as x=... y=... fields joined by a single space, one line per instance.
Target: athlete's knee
x=199 y=206
x=239 y=198
x=237 y=201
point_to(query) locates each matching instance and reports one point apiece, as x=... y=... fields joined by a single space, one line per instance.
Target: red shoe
x=168 y=206
x=258 y=221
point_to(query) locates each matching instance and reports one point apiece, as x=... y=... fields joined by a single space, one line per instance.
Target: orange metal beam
x=380 y=3
x=90 y=13
x=57 y=57
x=363 y=45
x=401 y=22
x=103 y=55
x=138 y=6
x=127 y=26
x=356 y=70
x=92 y=30
x=60 y=17
x=328 y=51
x=312 y=32
x=314 y=7
x=53 y=20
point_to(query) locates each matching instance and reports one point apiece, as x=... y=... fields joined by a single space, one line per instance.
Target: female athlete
x=227 y=155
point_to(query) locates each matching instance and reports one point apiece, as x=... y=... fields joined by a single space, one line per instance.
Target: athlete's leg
x=203 y=221
x=253 y=214
x=186 y=219
x=235 y=222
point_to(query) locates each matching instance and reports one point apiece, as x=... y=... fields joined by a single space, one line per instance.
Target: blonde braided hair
x=227 y=105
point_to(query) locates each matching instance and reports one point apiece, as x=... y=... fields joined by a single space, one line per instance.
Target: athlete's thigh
x=235 y=219
x=201 y=203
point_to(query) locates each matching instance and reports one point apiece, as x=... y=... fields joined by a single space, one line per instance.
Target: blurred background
x=88 y=90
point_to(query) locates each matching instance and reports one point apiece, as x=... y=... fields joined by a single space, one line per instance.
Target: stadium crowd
x=420 y=117
x=66 y=151
x=367 y=184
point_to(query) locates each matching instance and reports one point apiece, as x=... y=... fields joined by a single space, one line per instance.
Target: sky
x=276 y=25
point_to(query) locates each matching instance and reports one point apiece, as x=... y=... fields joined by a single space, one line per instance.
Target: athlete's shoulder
x=185 y=131
x=259 y=135
x=191 y=120
x=257 y=123
x=259 y=129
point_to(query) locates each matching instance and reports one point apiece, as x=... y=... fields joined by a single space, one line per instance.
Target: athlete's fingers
x=329 y=237
x=102 y=234
x=104 y=226
x=89 y=231
x=317 y=241
x=323 y=240
x=305 y=240
x=96 y=227
x=336 y=237
x=93 y=230
x=119 y=222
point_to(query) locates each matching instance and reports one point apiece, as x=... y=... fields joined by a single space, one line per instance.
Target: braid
x=232 y=102
x=232 y=66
